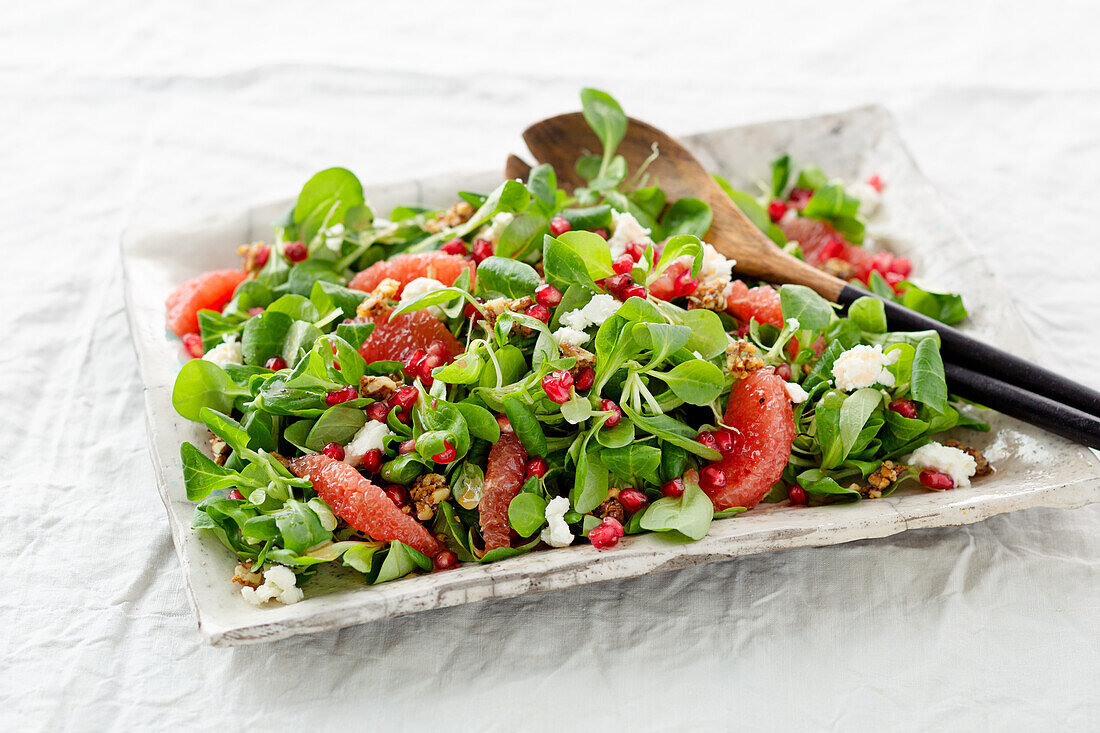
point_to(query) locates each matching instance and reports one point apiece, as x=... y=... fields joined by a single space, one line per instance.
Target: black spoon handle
x=1015 y=402
x=962 y=350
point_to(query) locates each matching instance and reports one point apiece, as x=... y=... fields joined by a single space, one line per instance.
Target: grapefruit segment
x=759 y=411
x=405 y=268
x=503 y=480
x=362 y=504
x=406 y=333
x=761 y=303
x=210 y=290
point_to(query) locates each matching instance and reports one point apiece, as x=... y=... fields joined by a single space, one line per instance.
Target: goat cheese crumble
x=368 y=438
x=224 y=353
x=597 y=310
x=957 y=464
x=557 y=532
x=279 y=584
x=571 y=336
x=624 y=230
x=496 y=226
x=862 y=366
x=869 y=198
x=796 y=393
x=417 y=289
x=715 y=268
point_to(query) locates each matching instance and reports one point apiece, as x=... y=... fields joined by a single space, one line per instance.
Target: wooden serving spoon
x=561 y=140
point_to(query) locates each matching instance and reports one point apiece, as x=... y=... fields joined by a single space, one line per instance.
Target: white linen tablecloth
x=127 y=114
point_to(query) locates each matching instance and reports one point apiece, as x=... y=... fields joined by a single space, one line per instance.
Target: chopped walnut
x=427 y=492
x=741 y=359
x=710 y=296
x=220 y=450
x=459 y=213
x=377 y=299
x=492 y=310
x=376 y=387
x=611 y=508
x=982 y=463
x=839 y=268
x=250 y=252
x=584 y=357
x=243 y=575
x=886 y=474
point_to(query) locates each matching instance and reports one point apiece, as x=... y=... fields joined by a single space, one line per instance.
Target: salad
x=535 y=368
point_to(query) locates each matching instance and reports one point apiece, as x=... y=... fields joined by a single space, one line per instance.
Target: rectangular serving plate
x=1034 y=469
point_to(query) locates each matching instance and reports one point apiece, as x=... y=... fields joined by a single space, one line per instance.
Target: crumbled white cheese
x=368 y=438
x=624 y=230
x=496 y=227
x=715 y=268
x=793 y=324
x=862 y=366
x=957 y=464
x=279 y=583
x=224 y=353
x=796 y=393
x=557 y=532
x=417 y=289
x=869 y=198
x=571 y=336
x=597 y=310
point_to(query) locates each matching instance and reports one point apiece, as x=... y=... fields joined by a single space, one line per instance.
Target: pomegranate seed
x=674 y=489
x=335 y=451
x=405 y=397
x=875 y=182
x=797 y=495
x=547 y=295
x=413 y=361
x=454 y=247
x=406 y=447
x=255 y=311
x=193 y=343
x=684 y=284
x=623 y=265
x=275 y=363
x=503 y=424
x=539 y=311
x=724 y=440
x=905 y=408
x=295 y=251
x=261 y=257
x=536 y=466
x=234 y=494
x=636 y=250
x=378 y=411
x=934 y=479
x=559 y=225
x=902 y=266
x=712 y=476
x=616 y=284
x=635 y=291
x=341 y=395
x=783 y=371
x=707 y=438
x=833 y=249
x=743 y=330
x=438 y=348
x=585 y=378
x=471 y=312
x=445 y=560
x=616 y=414
x=482 y=248
x=430 y=362
x=632 y=500
x=601 y=232
x=799 y=197
x=397 y=495
x=372 y=460
x=776 y=209
x=446 y=455
x=607 y=534
x=557 y=386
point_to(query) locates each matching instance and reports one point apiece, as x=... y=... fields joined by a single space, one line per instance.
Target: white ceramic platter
x=1033 y=468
